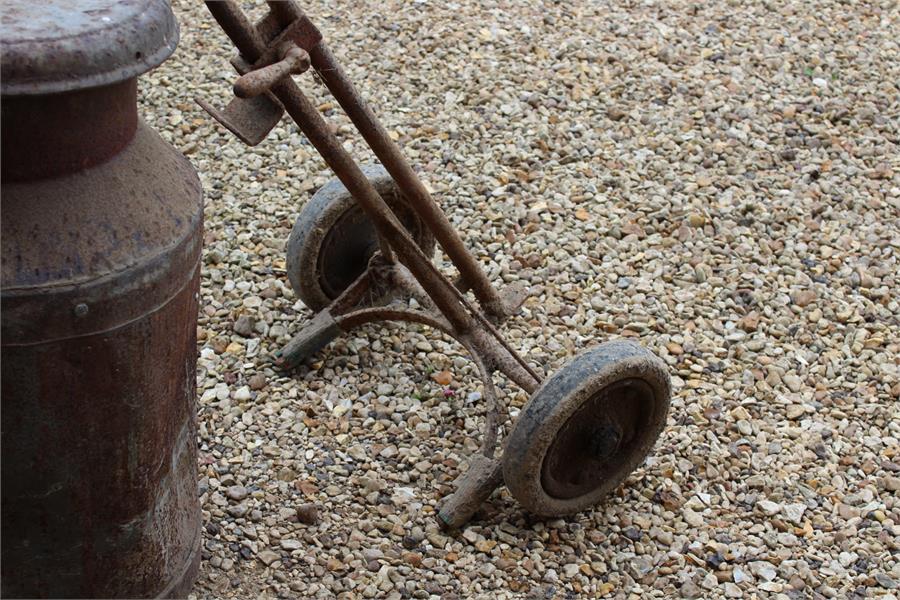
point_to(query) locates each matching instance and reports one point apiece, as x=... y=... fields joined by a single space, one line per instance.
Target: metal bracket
x=301 y=32
x=369 y=298
x=251 y=119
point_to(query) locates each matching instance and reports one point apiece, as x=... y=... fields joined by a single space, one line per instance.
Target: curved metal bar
x=356 y=318
x=362 y=316
x=492 y=407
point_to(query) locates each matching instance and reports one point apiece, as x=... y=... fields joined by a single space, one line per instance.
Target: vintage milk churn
x=101 y=234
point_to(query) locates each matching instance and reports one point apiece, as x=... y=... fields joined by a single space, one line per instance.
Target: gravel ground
x=719 y=181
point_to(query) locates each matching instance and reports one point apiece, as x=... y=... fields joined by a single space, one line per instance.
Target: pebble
x=243 y=326
x=413 y=559
x=768 y=507
x=792 y=382
x=763 y=570
x=891 y=483
x=696 y=220
x=803 y=297
x=795 y=411
x=257 y=382
x=237 y=492
x=308 y=514
x=692 y=518
x=238 y=510
x=689 y=589
x=794 y=512
x=333 y=564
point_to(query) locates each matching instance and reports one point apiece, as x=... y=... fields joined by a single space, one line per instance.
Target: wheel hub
x=605 y=441
x=598 y=439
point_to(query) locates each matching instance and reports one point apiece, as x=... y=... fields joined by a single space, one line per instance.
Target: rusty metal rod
x=313 y=125
x=492 y=408
x=392 y=158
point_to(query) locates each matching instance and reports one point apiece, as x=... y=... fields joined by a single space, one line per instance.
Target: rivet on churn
x=98 y=435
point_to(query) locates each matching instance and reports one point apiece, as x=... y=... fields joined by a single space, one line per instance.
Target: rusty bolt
x=605 y=441
x=294 y=61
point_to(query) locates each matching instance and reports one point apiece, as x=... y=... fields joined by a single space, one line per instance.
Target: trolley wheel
x=332 y=240
x=586 y=428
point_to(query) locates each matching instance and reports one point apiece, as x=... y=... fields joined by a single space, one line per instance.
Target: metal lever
x=294 y=61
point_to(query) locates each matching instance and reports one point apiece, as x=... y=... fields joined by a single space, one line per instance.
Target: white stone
x=570 y=570
x=692 y=518
x=768 y=507
x=290 y=544
x=794 y=512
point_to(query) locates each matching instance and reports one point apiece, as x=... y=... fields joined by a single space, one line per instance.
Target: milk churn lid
x=51 y=46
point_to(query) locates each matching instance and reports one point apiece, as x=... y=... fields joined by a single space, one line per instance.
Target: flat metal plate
x=250 y=119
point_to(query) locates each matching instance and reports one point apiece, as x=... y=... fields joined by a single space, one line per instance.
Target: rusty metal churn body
x=101 y=233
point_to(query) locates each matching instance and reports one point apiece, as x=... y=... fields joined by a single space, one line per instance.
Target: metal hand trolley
x=360 y=251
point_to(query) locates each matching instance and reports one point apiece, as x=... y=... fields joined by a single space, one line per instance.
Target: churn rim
x=53 y=46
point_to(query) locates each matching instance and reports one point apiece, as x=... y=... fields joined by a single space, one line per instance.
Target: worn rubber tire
x=586 y=429
x=332 y=239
